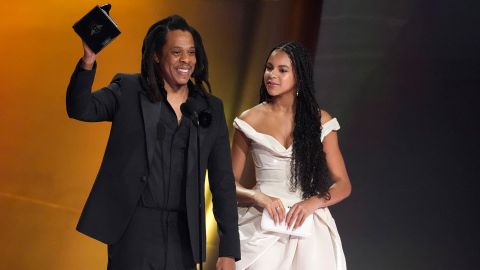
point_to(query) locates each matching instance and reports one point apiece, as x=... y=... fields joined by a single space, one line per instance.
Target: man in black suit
x=145 y=200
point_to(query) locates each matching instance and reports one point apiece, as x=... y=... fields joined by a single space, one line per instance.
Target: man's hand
x=225 y=263
x=88 y=58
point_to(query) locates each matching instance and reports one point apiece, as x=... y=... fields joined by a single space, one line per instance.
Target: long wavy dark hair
x=308 y=167
x=154 y=41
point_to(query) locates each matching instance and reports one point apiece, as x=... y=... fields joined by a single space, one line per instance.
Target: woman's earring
x=297 y=92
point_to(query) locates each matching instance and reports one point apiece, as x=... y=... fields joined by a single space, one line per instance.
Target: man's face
x=177 y=60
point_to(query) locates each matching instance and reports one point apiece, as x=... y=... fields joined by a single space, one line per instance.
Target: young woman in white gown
x=298 y=164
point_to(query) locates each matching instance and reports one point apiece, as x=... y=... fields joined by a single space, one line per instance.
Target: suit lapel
x=192 y=151
x=151 y=116
x=192 y=184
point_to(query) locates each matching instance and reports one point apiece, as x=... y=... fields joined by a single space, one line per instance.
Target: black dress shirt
x=165 y=188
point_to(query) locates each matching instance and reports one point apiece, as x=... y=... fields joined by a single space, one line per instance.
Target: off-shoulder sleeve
x=329 y=126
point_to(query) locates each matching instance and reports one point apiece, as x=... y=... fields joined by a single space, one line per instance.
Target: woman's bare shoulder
x=254 y=114
x=324 y=117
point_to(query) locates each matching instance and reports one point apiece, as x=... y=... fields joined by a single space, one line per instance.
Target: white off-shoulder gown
x=264 y=250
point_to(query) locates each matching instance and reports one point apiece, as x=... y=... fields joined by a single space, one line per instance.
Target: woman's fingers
x=272 y=213
x=291 y=216
x=276 y=210
x=296 y=216
x=299 y=221
x=282 y=212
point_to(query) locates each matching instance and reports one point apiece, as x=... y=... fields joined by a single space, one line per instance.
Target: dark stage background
x=401 y=76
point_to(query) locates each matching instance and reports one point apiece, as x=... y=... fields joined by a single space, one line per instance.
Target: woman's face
x=177 y=60
x=279 y=77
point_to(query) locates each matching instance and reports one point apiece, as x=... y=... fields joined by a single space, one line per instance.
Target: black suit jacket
x=126 y=162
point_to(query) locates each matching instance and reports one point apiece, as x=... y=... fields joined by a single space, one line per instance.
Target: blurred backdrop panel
x=402 y=77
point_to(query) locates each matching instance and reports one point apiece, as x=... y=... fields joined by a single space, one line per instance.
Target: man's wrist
x=226 y=259
x=87 y=64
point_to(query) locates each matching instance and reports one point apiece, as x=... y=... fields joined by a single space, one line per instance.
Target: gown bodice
x=272 y=161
